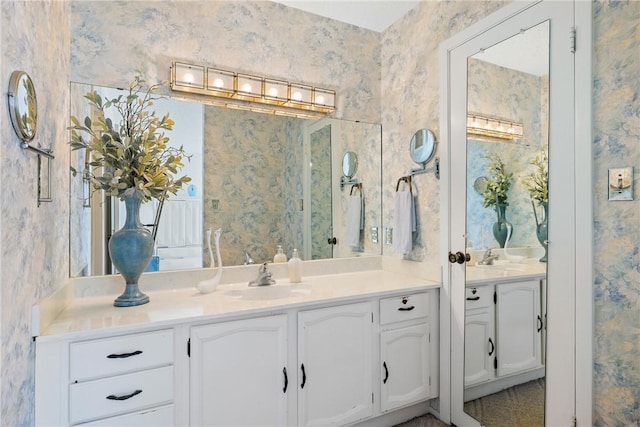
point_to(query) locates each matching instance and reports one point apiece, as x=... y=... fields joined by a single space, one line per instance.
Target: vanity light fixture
x=478 y=124
x=244 y=91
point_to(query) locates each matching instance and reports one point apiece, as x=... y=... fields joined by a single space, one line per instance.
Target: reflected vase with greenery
x=537 y=184
x=496 y=196
x=130 y=160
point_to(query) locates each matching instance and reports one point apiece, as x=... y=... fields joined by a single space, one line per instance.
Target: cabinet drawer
x=478 y=297
x=156 y=417
x=112 y=356
x=120 y=394
x=405 y=307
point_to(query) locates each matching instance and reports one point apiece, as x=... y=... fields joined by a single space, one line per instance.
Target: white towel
x=404 y=222
x=354 y=221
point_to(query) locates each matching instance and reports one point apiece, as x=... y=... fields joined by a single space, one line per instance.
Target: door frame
x=309 y=129
x=578 y=324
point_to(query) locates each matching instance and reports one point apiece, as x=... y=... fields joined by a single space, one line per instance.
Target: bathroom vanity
x=336 y=349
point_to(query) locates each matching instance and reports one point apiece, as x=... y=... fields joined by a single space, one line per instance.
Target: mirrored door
x=502 y=119
x=506 y=229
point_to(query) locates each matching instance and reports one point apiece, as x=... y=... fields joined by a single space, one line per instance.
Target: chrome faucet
x=487 y=258
x=264 y=277
x=247 y=258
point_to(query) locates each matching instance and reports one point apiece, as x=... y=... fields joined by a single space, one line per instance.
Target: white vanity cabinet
x=406 y=355
x=335 y=362
x=239 y=373
x=312 y=359
x=479 y=335
x=111 y=381
x=503 y=335
x=518 y=327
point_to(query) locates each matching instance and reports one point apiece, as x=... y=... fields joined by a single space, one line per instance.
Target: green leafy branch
x=537 y=181
x=498 y=183
x=133 y=156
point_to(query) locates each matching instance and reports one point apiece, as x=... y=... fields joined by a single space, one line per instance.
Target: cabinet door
x=404 y=355
x=479 y=345
x=518 y=327
x=335 y=361
x=238 y=373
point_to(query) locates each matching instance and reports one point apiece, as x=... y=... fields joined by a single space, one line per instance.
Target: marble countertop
x=505 y=272
x=90 y=315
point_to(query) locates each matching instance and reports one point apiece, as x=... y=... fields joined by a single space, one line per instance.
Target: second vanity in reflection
x=336 y=349
x=505 y=320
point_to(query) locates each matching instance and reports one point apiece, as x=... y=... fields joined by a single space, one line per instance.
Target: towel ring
x=357 y=186
x=406 y=179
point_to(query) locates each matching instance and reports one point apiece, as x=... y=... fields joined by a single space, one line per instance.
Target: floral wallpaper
x=34 y=250
x=616 y=131
x=410 y=81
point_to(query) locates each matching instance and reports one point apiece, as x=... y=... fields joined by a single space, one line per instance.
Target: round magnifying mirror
x=23 y=105
x=423 y=146
x=349 y=164
x=480 y=184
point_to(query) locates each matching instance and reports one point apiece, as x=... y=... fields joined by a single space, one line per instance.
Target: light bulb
x=273 y=92
x=188 y=78
x=319 y=99
x=246 y=88
x=297 y=96
x=218 y=82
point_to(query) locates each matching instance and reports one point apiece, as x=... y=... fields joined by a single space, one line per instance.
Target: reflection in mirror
x=504 y=333
x=349 y=164
x=248 y=172
x=422 y=146
x=23 y=105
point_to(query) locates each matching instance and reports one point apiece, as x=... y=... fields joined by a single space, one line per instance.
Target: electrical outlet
x=374 y=235
x=215 y=204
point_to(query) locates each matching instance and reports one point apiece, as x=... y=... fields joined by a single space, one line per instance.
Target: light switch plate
x=621 y=183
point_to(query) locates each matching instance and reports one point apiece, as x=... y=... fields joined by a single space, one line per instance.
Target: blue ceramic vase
x=542 y=229
x=500 y=228
x=131 y=249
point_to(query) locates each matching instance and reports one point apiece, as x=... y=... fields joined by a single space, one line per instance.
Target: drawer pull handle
x=473 y=298
x=406 y=308
x=493 y=347
x=304 y=376
x=125 y=397
x=386 y=373
x=539 y=323
x=124 y=355
x=286 y=379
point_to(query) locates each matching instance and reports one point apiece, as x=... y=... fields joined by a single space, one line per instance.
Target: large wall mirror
x=251 y=174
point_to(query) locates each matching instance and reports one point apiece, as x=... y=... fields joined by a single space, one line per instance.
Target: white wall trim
x=584 y=205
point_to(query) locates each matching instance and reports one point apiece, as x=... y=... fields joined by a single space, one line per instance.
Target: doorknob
x=459 y=257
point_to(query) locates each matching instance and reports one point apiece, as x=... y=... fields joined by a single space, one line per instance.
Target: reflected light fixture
x=243 y=91
x=478 y=124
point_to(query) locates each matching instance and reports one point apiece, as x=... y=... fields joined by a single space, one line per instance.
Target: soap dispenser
x=280 y=256
x=295 y=268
